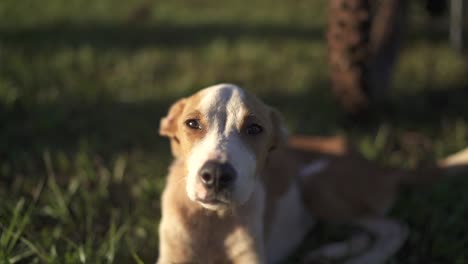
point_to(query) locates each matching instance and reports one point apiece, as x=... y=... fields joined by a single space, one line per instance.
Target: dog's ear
x=168 y=124
x=280 y=132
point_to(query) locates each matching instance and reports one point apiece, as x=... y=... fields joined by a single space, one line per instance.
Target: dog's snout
x=217 y=175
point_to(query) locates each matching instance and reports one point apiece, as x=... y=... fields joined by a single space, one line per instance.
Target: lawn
x=84 y=83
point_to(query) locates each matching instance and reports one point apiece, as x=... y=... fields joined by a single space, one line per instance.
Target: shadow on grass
x=132 y=36
x=109 y=126
x=135 y=36
x=425 y=109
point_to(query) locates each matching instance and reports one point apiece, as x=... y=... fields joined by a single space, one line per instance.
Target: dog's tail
x=453 y=165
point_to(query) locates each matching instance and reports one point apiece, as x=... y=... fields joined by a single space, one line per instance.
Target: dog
x=240 y=190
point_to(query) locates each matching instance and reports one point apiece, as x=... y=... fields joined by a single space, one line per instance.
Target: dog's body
x=238 y=192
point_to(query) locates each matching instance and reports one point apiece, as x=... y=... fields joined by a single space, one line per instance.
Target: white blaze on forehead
x=223 y=107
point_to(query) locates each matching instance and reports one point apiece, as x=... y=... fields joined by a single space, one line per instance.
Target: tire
x=363 y=40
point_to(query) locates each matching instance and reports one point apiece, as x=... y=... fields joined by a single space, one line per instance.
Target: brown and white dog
x=238 y=191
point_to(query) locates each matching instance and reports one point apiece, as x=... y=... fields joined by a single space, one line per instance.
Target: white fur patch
x=247 y=245
x=314 y=168
x=459 y=158
x=223 y=106
x=290 y=225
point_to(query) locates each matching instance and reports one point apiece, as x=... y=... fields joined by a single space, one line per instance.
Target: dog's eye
x=193 y=124
x=254 y=129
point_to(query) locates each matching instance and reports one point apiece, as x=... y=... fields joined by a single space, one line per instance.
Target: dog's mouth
x=213 y=201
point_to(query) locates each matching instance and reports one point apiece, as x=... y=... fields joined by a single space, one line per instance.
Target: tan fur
x=353 y=187
x=349 y=188
x=189 y=232
x=192 y=234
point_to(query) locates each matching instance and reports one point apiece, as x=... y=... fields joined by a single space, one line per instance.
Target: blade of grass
x=21 y=256
x=52 y=184
x=25 y=219
x=114 y=236
x=5 y=240
x=36 y=250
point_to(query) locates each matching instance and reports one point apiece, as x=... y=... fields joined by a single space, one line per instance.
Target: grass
x=83 y=85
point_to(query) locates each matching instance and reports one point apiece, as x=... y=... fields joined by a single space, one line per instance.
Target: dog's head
x=224 y=135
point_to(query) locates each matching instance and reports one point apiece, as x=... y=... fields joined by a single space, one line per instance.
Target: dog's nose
x=217 y=175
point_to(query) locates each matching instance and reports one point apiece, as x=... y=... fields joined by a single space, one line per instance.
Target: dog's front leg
x=174 y=242
x=339 y=250
x=246 y=245
x=167 y=250
x=388 y=236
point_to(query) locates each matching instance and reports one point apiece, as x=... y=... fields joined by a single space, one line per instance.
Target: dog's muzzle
x=217 y=176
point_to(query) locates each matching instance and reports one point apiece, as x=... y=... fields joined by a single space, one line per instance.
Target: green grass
x=83 y=85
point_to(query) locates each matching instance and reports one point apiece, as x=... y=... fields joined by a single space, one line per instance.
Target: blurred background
x=84 y=83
